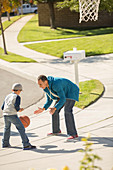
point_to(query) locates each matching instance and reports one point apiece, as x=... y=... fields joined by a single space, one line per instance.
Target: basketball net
x=88 y=10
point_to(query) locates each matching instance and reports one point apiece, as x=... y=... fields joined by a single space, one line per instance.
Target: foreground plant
x=88 y=161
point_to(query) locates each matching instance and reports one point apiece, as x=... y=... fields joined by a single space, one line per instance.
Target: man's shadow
x=50 y=150
x=105 y=141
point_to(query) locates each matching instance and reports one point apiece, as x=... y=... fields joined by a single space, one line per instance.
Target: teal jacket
x=62 y=89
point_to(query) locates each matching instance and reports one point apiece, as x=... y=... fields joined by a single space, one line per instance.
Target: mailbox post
x=75 y=56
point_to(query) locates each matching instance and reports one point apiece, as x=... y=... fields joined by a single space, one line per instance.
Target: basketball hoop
x=88 y=10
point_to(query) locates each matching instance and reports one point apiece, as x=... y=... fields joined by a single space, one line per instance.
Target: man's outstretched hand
x=39 y=110
x=52 y=110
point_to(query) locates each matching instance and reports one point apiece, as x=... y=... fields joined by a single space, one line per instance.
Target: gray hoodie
x=11 y=104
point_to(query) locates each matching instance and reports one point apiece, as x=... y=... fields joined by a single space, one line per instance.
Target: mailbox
x=74 y=55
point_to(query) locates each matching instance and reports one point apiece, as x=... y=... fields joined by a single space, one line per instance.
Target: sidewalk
x=97 y=119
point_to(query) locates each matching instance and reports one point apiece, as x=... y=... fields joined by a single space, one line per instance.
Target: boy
x=10 y=108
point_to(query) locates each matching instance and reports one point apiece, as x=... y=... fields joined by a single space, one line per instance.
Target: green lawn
x=14 y=58
x=32 y=32
x=90 y=91
x=93 y=45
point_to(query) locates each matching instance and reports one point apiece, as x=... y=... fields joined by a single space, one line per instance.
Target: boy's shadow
x=49 y=149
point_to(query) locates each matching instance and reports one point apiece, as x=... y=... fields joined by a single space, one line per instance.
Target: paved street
x=54 y=151
x=31 y=93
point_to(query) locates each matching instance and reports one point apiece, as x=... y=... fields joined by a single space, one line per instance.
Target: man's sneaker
x=52 y=134
x=72 y=137
x=29 y=147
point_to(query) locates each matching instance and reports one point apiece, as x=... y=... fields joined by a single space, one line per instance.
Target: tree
x=73 y=5
x=105 y=5
x=6 y=6
x=52 y=13
x=14 y=4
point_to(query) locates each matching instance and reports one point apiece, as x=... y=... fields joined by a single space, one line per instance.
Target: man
x=65 y=93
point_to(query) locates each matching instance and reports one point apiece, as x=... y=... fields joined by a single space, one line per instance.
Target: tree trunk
x=5 y=51
x=21 y=7
x=37 y=15
x=17 y=12
x=52 y=14
x=8 y=16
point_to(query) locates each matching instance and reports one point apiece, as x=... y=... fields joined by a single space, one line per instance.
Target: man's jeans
x=69 y=118
x=16 y=121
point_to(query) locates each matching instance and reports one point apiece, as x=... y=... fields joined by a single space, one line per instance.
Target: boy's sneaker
x=72 y=137
x=29 y=147
x=52 y=134
x=6 y=146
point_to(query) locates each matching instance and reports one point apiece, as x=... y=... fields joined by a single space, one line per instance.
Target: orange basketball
x=25 y=120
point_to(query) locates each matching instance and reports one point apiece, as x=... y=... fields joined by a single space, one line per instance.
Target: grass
x=94 y=45
x=6 y=24
x=33 y=32
x=14 y=58
x=90 y=91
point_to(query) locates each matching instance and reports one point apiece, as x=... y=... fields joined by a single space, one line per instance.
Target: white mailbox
x=75 y=56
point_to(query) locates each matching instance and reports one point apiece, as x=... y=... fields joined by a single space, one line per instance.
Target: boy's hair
x=42 y=77
x=17 y=87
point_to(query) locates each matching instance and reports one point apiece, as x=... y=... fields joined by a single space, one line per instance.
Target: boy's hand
x=21 y=109
x=52 y=110
x=39 y=110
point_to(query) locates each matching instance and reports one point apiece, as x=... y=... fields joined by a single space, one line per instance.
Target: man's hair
x=42 y=77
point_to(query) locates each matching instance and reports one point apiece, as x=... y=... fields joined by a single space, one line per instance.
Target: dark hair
x=17 y=90
x=42 y=77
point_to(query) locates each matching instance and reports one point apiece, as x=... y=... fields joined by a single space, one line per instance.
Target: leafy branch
x=88 y=161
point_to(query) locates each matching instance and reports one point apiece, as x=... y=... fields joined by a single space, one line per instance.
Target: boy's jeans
x=69 y=118
x=16 y=121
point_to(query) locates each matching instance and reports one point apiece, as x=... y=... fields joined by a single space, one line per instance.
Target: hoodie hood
x=50 y=81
